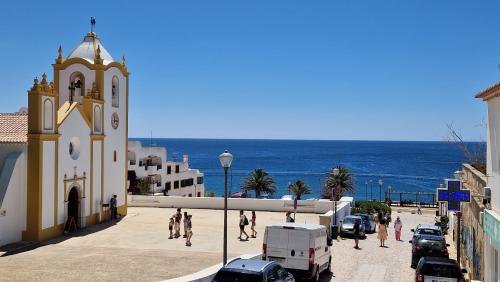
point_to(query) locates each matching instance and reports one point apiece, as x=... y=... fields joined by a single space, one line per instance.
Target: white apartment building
x=172 y=178
x=491 y=222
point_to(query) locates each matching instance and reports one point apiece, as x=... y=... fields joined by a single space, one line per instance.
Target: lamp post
x=380 y=183
x=225 y=160
x=366 y=190
x=371 y=189
x=336 y=172
x=388 y=192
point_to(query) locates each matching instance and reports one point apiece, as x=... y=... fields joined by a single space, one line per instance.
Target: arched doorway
x=73 y=206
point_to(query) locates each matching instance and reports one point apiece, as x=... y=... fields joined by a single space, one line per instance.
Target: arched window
x=97 y=119
x=76 y=86
x=48 y=114
x=115 y=92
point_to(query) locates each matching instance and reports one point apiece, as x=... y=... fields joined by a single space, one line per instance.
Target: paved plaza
x=137 y=249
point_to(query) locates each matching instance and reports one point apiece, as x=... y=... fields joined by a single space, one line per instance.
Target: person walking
x=289 y=217
x=382 y=232
x=177 y=226
x=112 y=207
x=398 y=225
x=243 y=222
x=254 y=218
x=419 y=209
x=184 y=221
x=189 y=230
x=171 y=227
x=355 y=230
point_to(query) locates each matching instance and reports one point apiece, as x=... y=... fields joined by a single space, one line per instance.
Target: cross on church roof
x=453 y=195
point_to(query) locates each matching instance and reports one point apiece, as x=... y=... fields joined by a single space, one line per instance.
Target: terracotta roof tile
x=489 y=92
x=13 y=128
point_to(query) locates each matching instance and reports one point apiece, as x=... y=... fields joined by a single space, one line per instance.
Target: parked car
x=347 y=226
x=427 y=246
x=250 y=270
x=368 y=221
x=288 y=197
x=300 y=248
x=439 y=269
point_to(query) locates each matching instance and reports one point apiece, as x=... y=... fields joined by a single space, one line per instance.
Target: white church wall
x=13 y=209
x=97 y=176
x=114 y=171
x=48 y=184
x=74 y=128
x=64 y=77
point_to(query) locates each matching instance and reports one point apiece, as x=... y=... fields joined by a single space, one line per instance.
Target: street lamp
x=336 y=172
x=366 y=190
x=389 y=188
x=225 y=160
x=380 y=183
x=371 y=189
x=458 y=174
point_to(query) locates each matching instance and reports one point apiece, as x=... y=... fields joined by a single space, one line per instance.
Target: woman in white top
x=398 y=225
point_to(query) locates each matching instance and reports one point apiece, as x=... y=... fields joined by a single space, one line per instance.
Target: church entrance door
x=73 y=205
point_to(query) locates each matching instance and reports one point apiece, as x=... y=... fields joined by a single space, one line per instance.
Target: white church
x=63 y=158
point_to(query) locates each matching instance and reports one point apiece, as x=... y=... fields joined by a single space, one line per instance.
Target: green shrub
x=370 y=207
x=209 y=194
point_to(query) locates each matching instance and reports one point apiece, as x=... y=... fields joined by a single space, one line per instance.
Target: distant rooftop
x=13 y=127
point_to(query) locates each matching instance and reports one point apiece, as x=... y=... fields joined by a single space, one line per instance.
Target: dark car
x=368 y=221
x=427 y=246
x=250 y=270
x=438 y=269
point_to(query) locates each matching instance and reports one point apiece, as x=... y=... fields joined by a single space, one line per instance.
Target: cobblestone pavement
x=137 y=249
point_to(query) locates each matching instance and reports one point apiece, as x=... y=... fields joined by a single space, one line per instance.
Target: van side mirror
x=411 y=241
x=412 y=230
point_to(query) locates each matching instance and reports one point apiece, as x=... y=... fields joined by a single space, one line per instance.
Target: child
x=177 y=227
x=185 y=223
x=170 y=227
x=254 y=233
x=189 y=231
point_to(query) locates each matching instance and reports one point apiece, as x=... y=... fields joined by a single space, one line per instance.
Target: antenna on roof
x=92 y=24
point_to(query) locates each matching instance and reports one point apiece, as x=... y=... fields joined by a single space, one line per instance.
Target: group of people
x=383 y=224
x=174 y=226
x=244 y=222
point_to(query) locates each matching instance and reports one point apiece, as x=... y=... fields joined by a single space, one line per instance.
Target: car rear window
x=436 y=245
x=348 y=220
x=440 y=270
x=429 y=232
x=230 y=276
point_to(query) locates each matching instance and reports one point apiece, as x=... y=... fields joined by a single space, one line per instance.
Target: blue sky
x=364 y=70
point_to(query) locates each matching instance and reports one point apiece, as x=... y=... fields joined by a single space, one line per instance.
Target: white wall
x=73 y=126
x=115 y=172
x=493 y=151
x=49 y=148
x=97 y=176
x=318 y=206
x=14 y=204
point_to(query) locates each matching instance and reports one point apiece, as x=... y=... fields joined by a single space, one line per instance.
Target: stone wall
x=472 y=237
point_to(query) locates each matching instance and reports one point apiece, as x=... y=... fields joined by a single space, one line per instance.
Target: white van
x=300 y=248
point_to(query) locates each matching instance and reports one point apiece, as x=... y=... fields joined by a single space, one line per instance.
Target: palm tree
x=299 y=188
x=338 y=185
x=259 y=181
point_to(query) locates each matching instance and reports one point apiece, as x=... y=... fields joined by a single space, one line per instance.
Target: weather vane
x=92 y=24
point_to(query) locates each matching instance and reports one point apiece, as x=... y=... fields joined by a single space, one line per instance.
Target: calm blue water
x=406 y=166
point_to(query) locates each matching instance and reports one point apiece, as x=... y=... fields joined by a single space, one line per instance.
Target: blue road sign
x=453 y=195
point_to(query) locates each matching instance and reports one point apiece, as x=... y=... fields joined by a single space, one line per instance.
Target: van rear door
x=298 y=249
x=277 y=241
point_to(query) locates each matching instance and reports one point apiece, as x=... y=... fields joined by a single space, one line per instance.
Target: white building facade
x=172 y=178
x=491 y=221
x=66 y=156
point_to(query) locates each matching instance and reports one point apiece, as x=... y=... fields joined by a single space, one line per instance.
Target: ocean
x=404 y=165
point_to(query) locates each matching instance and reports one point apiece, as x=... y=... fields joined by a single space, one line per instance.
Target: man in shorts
x=243 y=222
x=356 y=230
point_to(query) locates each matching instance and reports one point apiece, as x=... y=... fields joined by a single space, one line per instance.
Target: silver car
x=347 y=226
